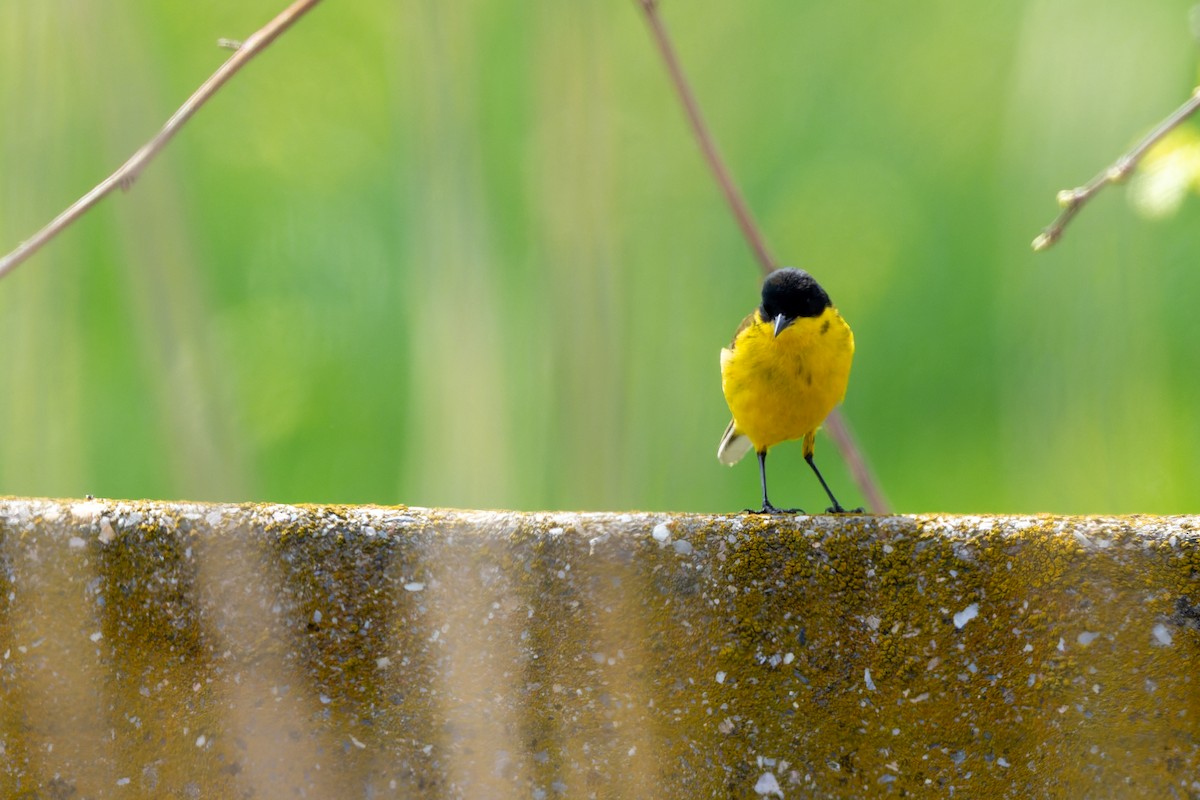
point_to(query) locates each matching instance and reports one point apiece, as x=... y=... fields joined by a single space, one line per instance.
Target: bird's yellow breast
x=782 y=387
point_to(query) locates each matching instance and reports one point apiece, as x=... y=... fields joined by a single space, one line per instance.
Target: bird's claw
x=770 y=509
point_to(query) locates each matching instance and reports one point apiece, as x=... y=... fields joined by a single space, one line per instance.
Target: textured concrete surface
x=197 y=651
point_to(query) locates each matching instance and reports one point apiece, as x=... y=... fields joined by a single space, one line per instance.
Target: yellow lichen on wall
x=184 y=650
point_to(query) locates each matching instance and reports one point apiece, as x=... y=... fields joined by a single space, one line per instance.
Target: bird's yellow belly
x=781 y=388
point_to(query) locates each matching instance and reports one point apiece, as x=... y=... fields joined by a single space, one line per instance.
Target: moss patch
x=260 y=649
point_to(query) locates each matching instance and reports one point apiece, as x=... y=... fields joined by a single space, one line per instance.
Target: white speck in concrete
x=316 y=617
x=97 y=636
x=383 y=662
x=789 y=658
x=414 y=586
x=768 y=785
x=1028 y=648
x=325 y=699
x=1162 y=635
x=107 y=534
x=357 y=743
x=1002 y=762
x=76 y=542
x=555 y=531
x=201 y=740
x=122 y=781
x=86 y=512
x=661 y=534
x=720 y=677
x=966 y=615
x=870 y=684
x=1062 y=645
x=427 y=749
x=213 y=518
x=682 y=547
x=933 y=663
x=1086 y=638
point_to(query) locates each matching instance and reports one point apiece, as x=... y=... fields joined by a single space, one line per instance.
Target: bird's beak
x=782 y=322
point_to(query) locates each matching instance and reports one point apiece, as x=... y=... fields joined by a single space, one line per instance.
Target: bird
x=784 y=372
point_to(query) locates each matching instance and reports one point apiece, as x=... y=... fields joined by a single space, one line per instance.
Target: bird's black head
x=792 y=293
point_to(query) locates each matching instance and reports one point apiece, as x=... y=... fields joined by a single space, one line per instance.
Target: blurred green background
x=467 y=254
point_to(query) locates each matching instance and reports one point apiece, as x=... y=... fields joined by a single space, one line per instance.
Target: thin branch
x=835 y=425
x=745 y=221
x=131 y=169
x=1072 y=200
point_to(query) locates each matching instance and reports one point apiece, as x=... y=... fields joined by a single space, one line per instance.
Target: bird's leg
x=836 y=508
x=809 y=446
x=767 y=508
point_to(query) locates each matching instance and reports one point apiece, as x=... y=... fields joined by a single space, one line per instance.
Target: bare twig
x=700 y=129
x=1072 y=200
x=835 y=425
x=131 y=169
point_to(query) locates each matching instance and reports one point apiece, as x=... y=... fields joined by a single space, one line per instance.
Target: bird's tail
x=733 y=446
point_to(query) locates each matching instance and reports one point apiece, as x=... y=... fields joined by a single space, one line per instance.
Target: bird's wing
x=733 y=445
x=726 y=355
x=751 y=319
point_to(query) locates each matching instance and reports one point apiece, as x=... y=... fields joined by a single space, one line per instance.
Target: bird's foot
x=770 y=509
x=837 y=509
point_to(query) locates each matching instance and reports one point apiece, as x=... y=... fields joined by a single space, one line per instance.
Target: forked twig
x=1072 y=200
x=131 y=169
x=835 y=425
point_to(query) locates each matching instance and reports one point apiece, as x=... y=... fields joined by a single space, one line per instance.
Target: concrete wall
x=180 y=650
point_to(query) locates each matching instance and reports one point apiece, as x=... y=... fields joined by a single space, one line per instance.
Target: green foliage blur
x=467 y=254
